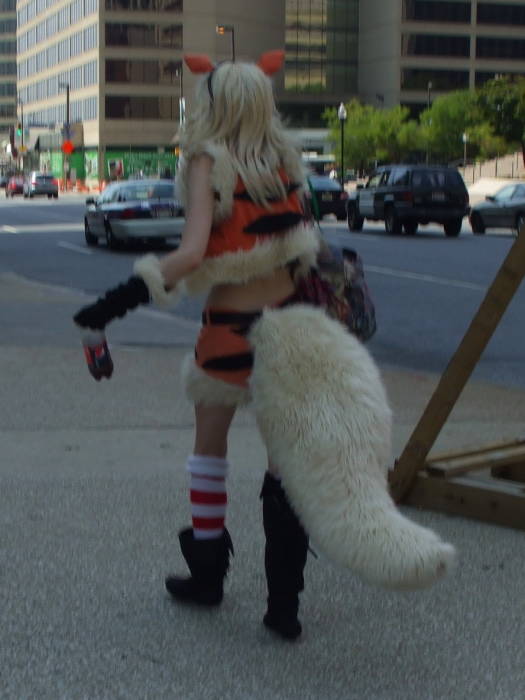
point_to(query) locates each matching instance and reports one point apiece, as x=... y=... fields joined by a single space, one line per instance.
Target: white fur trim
x=223 y=177
x=148 y=267
x=201 y=388
x=324 y=415
x=266 y=256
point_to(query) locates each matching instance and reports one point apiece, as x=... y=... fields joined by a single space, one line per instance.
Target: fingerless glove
x=114 y=304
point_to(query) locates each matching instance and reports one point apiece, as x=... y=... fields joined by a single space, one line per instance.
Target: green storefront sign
x=124 y=164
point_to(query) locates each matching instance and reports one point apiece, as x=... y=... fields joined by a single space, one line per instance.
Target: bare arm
x=199 y=214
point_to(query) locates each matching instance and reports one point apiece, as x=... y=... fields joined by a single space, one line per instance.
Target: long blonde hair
x=240 y=114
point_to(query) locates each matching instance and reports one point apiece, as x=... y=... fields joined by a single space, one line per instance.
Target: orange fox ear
x=271 y=61
x=198 y=63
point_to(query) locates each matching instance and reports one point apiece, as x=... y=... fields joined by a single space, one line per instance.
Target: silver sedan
x=505 y=209
x=134 y=209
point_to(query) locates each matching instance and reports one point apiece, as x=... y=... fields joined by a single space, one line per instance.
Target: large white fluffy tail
x=324 y=415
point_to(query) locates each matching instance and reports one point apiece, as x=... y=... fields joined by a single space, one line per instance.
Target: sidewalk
x=94 y=492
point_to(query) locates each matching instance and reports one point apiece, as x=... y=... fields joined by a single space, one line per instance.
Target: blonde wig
x=234 y=108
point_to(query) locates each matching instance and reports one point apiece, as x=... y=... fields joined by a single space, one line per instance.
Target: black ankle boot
x=208 y=562
x=284 y=559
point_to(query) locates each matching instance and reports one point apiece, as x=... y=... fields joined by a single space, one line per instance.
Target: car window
x=147 y=190
x=436 y=178
x=107 y=194
x=399 y=176
x=325 y=183
x=44 y=178
x=505 y=193
x=519 y=192
x=384 y=178
x=374 y=180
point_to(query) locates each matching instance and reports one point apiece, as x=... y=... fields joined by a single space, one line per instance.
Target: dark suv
x=404 y=196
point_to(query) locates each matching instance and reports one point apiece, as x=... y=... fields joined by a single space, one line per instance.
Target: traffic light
x=19 y=129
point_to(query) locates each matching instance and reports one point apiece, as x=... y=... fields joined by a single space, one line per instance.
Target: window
x=91 y=37
x=502 y=14
x=418 y=79
x=7 y=89
x=512 y=49
x=7 y=5
x=8 y=26
x=142 y=5
x=399 y=176
x=8 y=46
x=435 y=45
x=136 y=107
x=436 y=11
x=8 y=68
x=519 y=192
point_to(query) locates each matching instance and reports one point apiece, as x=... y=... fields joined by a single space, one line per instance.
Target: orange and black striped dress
x=222 y=349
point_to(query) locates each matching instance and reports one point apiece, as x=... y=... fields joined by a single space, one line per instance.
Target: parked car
x=134 y=209
x=329 y=194
x=15 y=185
x=41 y=184
x=504 y=209
x=404 y=196
x=4 y=179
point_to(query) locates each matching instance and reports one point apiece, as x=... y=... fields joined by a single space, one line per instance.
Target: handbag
x=338 y=284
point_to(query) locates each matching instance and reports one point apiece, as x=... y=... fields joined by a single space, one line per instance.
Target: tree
x=443 y=125
x=372 y=134
x=501 y=101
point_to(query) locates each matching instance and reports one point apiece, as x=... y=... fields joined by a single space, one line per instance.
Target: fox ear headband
x=270 y=62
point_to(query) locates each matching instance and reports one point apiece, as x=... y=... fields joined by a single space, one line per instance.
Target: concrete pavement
x=93 y=492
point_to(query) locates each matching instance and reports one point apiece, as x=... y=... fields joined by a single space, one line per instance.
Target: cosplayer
x=317 y=395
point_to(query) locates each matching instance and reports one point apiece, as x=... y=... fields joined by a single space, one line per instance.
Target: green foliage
x=493 y=118
x=501 y=101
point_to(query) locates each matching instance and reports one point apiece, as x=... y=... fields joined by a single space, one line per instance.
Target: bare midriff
x=252 y=295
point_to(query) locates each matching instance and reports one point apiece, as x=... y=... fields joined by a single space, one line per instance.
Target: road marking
x=424 y=278
x=76 y=248
x=43 y=228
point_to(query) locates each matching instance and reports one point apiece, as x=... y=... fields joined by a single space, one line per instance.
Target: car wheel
x=30 y=195
x=392 y=223
x=410 y=227
x=49 y=196
x=111 y=242
x=91 y=239
x=452 y=227
x=355 y=222
x=55 y=196
x=25 y=195
x=520 y=222
x=476 y=223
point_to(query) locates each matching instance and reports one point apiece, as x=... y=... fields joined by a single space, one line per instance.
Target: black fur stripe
x=230 y=363
x=291 y=187
x=274 y=223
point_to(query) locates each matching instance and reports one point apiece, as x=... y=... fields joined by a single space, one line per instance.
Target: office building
x=120 y=62
x=7 y=66
x=411 y=51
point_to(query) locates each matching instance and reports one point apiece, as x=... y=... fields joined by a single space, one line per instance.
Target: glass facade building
x=321 y=39
x=7 y=65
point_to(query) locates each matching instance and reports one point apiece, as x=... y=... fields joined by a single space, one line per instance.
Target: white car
x=146 y=210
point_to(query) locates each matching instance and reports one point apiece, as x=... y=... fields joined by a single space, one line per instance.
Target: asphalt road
x=426 y=288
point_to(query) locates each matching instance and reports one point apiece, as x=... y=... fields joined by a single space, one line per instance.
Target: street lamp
x=341 y=113
x=21 y=103
x=223 y=29
x=429 y=88
x=67 y=129
x=464 y=138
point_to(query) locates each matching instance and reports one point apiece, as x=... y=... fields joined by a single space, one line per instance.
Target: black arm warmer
x=115 y=303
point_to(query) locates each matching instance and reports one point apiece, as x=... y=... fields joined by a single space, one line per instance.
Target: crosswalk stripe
x=42 y=228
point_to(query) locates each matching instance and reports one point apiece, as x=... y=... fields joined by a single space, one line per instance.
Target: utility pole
x=67 y=129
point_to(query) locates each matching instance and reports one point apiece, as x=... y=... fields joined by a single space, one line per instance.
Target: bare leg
x=212 y=424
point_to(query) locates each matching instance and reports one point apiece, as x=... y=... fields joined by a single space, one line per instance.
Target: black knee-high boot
x=208 y=562
x=284 y=559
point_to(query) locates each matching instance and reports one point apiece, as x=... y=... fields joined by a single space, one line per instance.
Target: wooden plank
x=459 y=369
x=512 y=472
x=474 y=462
x=499 y=503
x=451 y=454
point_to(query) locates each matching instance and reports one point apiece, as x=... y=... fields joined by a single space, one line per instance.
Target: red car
x=14 y=186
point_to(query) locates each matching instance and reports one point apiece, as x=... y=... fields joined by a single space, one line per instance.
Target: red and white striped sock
x=207 y=495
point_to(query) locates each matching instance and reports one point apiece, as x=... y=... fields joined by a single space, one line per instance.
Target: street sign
x=67 y=147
